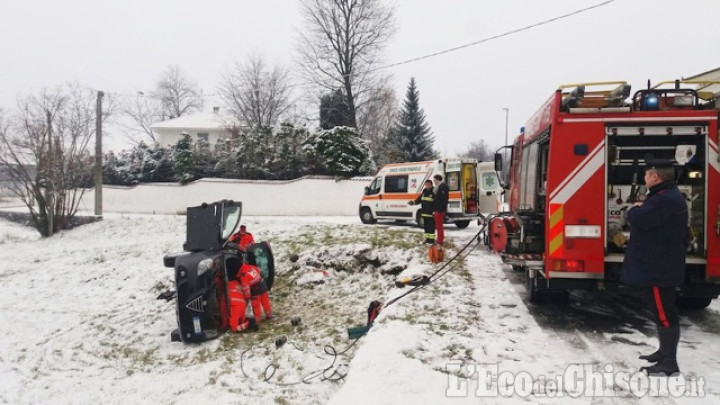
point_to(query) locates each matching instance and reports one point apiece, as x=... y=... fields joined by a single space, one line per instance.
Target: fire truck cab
x=578 y=165
x=473 y=187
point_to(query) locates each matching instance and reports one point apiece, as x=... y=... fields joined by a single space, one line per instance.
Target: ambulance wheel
x=420 y=220
x=462 y=224
x=693 y=302
x=366 y=216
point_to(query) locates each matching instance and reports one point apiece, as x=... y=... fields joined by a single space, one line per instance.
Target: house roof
x=199 y=120
x=710 y=75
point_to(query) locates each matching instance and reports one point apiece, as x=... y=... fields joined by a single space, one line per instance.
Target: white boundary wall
x=310 y=195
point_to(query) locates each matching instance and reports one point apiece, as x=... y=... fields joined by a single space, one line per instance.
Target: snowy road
x=507 y=334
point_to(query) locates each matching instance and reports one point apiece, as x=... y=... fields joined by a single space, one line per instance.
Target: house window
x=202 y=137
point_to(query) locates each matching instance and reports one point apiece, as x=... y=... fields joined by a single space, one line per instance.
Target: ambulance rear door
x=489 y=188
x=454 y=181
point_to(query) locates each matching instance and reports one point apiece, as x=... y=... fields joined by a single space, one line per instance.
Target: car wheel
x=366 y=216
x=462 y=224
x=419 y=219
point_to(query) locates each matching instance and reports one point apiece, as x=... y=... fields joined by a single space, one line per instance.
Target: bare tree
x=178 y=94
x=375 y=122
x=174 y=95
x=479 y=150
x=256 y=95
x=342 y=44
x=44 y=152
x=142 y=112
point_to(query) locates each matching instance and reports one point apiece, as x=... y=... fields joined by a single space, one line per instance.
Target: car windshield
x=231 y=217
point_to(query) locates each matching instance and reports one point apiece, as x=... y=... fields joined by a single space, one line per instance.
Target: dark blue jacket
x=441 y=198
x=655 y=254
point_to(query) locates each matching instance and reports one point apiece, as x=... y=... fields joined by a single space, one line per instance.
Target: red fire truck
x=578 y=165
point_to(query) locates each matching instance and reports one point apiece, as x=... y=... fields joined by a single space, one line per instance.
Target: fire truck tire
x=462 y=224
x=419 y=219
x=693 y=302
x=366 y=216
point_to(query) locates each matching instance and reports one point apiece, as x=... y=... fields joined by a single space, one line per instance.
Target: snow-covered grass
x=81 y=323
x=82 y=313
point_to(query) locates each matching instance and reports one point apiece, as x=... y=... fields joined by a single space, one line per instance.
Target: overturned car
x=203 y=270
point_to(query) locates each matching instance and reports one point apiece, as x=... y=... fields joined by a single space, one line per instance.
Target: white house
x=711 y=76
x=206 y=126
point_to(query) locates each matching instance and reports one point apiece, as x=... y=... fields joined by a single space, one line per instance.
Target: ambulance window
x=396 y=184
x=453 y=182
x=375 y=186
x=489 y=181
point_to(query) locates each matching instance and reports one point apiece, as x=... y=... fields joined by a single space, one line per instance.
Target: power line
x=482 y=41
x=419 y=58
x=494 y=37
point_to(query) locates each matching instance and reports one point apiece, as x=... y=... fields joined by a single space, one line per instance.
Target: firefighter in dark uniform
x=426 y=199
x=655 y=257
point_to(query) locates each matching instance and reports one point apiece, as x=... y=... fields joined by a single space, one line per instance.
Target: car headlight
x=204 y=266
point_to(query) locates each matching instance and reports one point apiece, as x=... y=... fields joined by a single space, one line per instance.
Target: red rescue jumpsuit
x=243 y=239
x=238 y=323
x=254 y=287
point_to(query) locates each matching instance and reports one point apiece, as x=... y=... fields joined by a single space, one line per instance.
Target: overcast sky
x=122 y=46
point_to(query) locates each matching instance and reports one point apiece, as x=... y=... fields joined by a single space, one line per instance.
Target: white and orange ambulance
x=474 y=188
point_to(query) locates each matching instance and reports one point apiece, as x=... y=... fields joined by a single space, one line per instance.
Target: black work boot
x=669 y=338
x=666 y=367
x=657 y=355
x=653 y=357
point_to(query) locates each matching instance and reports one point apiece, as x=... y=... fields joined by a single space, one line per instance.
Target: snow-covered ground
x=81 y=323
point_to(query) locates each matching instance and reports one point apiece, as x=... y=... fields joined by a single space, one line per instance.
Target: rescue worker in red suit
x=255 y=289
x=655 y=258
x=238 y=323
x=242 y=238
x=442 y=194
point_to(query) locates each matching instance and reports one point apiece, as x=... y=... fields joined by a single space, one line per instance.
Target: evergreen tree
x=411 y=135
x=204 y=158
x=289 y=160
x=226 y=150
x=334 y=111
x=183 y=163
x=336 y=152
x=254 y=154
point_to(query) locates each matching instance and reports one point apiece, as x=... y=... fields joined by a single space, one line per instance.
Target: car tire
x=419 y=219
x=462 y=224
x=366 y=216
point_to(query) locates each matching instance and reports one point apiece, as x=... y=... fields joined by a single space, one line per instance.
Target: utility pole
x=49 y=190
x=507 y=114
x=98 y=155
x=505 y=162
